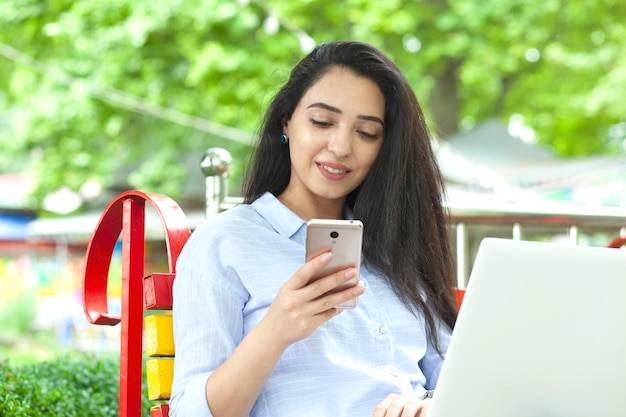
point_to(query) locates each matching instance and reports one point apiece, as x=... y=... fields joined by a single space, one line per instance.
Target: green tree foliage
x=88 y=86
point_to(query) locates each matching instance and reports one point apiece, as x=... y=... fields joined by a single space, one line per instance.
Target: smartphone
x=344 y=239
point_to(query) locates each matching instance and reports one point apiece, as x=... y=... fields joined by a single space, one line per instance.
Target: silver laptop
x=541 y=333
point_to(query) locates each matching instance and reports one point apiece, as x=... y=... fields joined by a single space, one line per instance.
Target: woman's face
x=335 y=134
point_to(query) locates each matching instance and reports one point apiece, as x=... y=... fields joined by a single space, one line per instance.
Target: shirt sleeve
x=208 y=321
x=432 y=361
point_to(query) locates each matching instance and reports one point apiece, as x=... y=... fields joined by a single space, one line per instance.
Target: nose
x=340 y=144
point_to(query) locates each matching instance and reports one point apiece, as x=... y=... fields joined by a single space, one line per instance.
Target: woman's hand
x=302 y=306
x=405 y=405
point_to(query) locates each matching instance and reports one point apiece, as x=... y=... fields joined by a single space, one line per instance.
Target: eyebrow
x=338 y=111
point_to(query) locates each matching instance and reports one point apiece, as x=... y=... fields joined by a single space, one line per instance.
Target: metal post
x=461 y=255
x=216 y=165
x=573 y=234
x=133 y=258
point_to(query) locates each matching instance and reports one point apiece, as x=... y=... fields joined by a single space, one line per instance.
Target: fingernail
x=351 y=273
x=326 y=257
x=359 y=289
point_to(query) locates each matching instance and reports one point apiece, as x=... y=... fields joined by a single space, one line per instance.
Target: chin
x=333 y=196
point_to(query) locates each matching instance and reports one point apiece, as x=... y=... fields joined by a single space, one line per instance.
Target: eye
x=368 y=135
x=319 y=123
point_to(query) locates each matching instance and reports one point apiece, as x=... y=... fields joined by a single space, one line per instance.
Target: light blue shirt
x=228 y=275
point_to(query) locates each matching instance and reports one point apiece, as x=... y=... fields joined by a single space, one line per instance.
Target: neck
x=317 y=209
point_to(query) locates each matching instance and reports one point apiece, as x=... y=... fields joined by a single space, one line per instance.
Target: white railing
x=571 y=224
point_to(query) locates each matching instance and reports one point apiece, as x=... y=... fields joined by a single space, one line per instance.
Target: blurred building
x=488 y=162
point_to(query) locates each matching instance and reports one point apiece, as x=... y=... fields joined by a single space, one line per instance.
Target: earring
x=284 y=139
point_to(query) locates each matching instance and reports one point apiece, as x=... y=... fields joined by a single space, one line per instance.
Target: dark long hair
x=400 y=202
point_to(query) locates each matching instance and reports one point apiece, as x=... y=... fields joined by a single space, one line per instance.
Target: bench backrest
x=125 y=215
x=159 y=339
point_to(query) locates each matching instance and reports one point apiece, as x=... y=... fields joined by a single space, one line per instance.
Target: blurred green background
x=92 y=91
x=90 y=86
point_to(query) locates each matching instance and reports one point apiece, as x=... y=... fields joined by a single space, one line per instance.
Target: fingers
x=395 y=405
x=301 y=306
x=303 y=275
x=338 y=279
x=381 y=409
x=425 y=407
x=320 y=288
x=341 y=295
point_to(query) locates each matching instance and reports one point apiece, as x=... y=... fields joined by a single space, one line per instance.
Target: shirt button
x=395 y=373
x=382 y=330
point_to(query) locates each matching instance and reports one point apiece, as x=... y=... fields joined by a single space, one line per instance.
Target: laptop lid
x=541 y=333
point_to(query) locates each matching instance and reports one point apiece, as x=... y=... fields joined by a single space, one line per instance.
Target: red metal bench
x=617 y=243
x=126 y=215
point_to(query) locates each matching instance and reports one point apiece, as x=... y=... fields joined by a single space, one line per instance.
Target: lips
x=333 y=171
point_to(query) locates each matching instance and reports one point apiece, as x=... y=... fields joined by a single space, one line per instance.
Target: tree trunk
x=444 y=100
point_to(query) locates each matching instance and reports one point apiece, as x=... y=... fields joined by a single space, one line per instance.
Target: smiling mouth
x=334 y=171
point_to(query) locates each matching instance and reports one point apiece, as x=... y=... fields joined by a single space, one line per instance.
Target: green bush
x=83 y=386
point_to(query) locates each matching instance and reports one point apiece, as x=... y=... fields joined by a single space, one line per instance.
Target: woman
x=344 y=138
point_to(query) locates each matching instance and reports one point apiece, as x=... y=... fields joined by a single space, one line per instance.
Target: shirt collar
x=281 y=218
